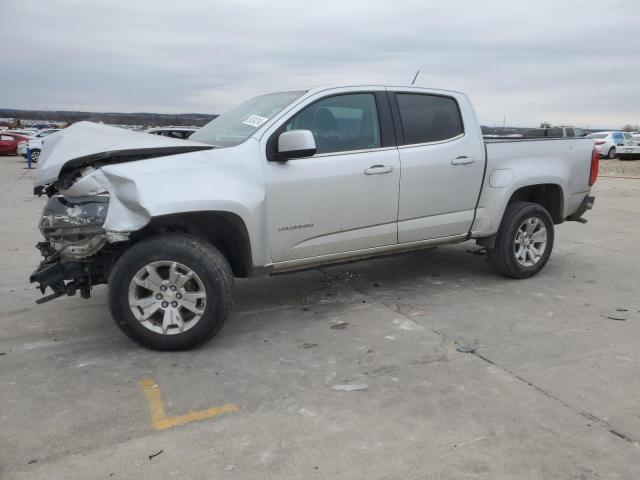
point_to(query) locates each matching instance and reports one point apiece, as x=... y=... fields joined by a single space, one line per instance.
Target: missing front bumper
x=62 y=279
x=66 y=277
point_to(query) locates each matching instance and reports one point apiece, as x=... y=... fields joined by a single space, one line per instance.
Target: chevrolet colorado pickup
x=288 y=181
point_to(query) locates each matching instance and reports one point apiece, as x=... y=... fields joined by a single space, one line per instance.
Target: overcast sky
x=563 y=61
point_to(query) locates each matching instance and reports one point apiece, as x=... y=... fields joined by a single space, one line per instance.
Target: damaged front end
x=78 y=252
x=91 y=212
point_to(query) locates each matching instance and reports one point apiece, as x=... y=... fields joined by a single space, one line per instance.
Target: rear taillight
x=600 y=142
x=595 y=163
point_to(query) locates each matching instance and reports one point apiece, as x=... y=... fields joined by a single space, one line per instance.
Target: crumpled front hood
x=87 y=143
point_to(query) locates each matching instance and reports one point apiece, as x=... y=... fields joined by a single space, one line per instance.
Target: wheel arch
x=225 y=230
x=548 y=195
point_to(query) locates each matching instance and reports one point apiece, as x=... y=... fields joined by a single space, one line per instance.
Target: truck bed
x=512 y=162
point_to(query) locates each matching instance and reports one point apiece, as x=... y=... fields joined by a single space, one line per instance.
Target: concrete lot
x=552 y=391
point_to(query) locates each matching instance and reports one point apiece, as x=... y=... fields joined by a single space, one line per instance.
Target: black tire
x=611 y=154
x=35 y=155
x=502 y=256
x=203 y=259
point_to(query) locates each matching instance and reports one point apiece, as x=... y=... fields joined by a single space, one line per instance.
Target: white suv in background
x=607 y=143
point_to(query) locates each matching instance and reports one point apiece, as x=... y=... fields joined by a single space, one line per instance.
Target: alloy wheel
x=530 y=241
x=167 y=297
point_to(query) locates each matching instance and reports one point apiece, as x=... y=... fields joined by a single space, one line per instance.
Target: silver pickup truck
x=288 y=181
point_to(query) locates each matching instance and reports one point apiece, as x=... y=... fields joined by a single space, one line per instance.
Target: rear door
x=345 y=197
x=442 y=161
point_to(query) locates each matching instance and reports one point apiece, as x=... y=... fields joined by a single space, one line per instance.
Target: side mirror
x=296 y=144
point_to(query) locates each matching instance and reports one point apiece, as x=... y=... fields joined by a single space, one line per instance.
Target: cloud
x=563 y=62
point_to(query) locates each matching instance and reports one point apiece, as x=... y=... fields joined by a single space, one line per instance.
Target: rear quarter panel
x=512 y=165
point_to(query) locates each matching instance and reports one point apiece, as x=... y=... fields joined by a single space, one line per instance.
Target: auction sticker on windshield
x=255 y=120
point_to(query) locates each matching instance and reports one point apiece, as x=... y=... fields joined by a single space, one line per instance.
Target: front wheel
x=524 y=240
x=171 y=292
x=35 y=155
x=611 y=154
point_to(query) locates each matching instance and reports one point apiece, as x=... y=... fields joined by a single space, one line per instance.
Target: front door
x=345 y=197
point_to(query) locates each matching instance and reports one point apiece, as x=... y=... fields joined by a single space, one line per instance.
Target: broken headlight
x=78 y=216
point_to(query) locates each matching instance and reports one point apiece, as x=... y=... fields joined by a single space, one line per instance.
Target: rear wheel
x=524 y=240
x=171 y=292
x=611 y=154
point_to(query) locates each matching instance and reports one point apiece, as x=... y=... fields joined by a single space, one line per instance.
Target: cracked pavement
x=549 y=390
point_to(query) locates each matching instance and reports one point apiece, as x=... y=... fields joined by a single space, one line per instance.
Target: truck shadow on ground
x=436 y=265
x=263 y=304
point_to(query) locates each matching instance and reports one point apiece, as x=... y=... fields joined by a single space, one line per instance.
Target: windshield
x=235 y=126
x=598 y=135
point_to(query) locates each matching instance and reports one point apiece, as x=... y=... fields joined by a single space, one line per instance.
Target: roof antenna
x=414 y=78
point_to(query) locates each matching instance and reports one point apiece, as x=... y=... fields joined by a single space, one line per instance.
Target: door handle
x=462 y=160
x=378 y=169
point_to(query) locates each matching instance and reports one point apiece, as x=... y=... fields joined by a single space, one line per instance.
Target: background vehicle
x=631 y=148
x=9 y=142
x=34 y=143
x=23 y=132
x=554 y=132
x=288 y=181
x=607 y=143
x=628 y=138
x=172 y=132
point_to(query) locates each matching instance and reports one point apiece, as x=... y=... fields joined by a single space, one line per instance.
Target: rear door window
x=428 y=118
x=618 y=137
x=570 y=132
x=554 y=133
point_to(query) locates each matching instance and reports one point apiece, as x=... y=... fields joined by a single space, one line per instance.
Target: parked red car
x=9 y=143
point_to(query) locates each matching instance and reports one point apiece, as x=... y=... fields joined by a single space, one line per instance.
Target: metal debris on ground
x=155 y=454
x=466 y=349
x=339 y=325
x=350 y=387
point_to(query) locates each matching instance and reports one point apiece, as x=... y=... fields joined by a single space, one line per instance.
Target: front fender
x=224 y=180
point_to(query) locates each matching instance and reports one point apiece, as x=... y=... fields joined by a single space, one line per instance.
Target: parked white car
x=607 y=143
x=35 y=144
x=289 y=181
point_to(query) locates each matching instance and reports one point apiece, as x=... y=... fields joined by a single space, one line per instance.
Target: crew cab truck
x=289 y=181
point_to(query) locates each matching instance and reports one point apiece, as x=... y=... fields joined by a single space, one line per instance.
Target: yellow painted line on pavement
x=159 y=418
